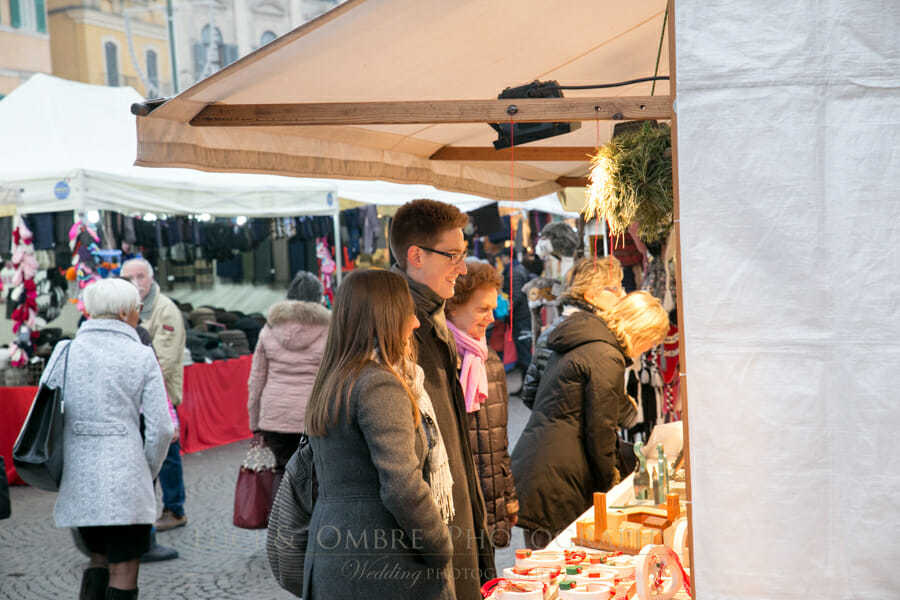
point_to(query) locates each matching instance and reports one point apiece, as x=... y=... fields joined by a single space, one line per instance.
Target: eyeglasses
x=455 y=257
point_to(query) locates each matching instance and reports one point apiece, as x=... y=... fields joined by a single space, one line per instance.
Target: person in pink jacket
x=285 y=364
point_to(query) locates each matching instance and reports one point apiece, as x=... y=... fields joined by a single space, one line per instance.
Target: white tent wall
x=788 y=130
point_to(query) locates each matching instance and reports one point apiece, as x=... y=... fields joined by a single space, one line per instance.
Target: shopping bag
x=38 y=451
x=256 y=485
x=4 y=492
x=289 y=520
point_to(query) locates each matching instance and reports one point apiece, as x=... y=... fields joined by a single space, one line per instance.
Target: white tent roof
x=422 y=50
x=87 y=138
x=57 y=130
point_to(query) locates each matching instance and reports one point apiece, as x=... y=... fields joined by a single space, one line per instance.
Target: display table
x=213 y=410
x=14 y=405
x=620 y=495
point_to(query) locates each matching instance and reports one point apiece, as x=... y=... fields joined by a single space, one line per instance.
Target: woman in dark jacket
x=568 y=448
x=379 y=528
x=592 y=284
x=469 y=312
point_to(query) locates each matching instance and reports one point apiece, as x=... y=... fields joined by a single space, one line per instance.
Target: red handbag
x=256 y=486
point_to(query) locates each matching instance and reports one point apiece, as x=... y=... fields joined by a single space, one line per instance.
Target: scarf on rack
x=472 y=373
x=437 y=465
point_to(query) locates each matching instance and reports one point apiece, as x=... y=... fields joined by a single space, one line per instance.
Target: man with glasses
x=164 y=322
x=429 y=248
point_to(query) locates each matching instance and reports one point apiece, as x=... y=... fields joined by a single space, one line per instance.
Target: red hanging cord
x=597 y=218
x=512 y=197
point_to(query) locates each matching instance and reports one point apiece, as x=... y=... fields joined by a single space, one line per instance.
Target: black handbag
x=289 y=519
x=38 y=452
x=4 y=492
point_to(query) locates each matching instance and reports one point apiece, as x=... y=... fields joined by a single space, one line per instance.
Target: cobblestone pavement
x=217 y=560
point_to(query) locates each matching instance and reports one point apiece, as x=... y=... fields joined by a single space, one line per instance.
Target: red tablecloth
x=14 y=405
x=213 y=411
x=214 y=408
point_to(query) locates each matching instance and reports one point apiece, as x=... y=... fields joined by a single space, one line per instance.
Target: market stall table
x=212 y=413
x=14 y=405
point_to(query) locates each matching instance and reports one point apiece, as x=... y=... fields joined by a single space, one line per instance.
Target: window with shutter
x=231 y=53
x=152 y=72
x=40 y=16
x=15 y=14
x=199 y=54
x=267 y=37
x=112 y=63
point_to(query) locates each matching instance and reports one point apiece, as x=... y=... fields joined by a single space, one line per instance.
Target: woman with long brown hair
x=379 y=525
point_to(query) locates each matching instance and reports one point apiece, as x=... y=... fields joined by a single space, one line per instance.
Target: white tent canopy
x=83 y=135
x=87 y=140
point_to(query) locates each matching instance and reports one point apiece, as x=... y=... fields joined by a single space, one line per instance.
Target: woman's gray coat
x=108 y=470
x=376 y=531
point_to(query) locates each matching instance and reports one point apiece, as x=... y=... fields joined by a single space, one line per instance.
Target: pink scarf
x=472 y=374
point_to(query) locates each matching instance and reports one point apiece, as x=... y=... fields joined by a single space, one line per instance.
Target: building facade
x=24 y=42
x=211 y=34
x=112 y=42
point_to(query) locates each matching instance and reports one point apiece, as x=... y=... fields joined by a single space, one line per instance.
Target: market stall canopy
x=427 y=51
x=69 y=146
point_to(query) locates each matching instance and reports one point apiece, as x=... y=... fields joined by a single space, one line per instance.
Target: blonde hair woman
x=593 y=285
x=568 y=447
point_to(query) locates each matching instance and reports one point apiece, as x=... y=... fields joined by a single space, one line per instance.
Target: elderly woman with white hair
x=111 y=379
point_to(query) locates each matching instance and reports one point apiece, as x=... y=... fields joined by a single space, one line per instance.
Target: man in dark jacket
x=427 y=242
x=568 y=448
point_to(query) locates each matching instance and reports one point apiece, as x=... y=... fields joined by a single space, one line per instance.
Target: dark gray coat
x=473 y=556
x=376 y=531
x=568 y=448
x=490 y=444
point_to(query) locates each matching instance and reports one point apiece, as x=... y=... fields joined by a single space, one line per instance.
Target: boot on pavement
x=157 y=553
x=93 y=583
x=117 y=594
x=170 y=520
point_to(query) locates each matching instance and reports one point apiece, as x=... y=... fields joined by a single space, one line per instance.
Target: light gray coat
x=108 y=470
x=376 y=531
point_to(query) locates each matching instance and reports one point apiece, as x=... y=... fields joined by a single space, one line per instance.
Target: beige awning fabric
x=413 y=50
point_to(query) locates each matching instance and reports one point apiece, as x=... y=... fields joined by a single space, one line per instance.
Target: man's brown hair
x=420 y=223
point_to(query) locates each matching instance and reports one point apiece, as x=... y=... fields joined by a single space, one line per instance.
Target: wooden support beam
x=533 y=153
x=525 y=110
x=573 y=181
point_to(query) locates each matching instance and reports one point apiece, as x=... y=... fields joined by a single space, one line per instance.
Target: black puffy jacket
x=490 y=446
x=568 y=448
x=539 y=359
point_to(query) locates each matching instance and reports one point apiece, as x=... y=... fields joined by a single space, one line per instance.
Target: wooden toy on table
x=626 y=529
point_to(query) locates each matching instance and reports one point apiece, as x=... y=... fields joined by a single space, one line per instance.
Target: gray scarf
x=147 y=310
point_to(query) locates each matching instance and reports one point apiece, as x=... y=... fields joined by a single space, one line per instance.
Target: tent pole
x=682 y=362
x=338 y=254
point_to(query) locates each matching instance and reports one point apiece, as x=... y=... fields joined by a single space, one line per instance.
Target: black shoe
x=93 y=583
x=117 y=594
x=158 y=553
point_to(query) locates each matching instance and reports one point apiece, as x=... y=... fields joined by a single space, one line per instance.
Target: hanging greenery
x=631 y=181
